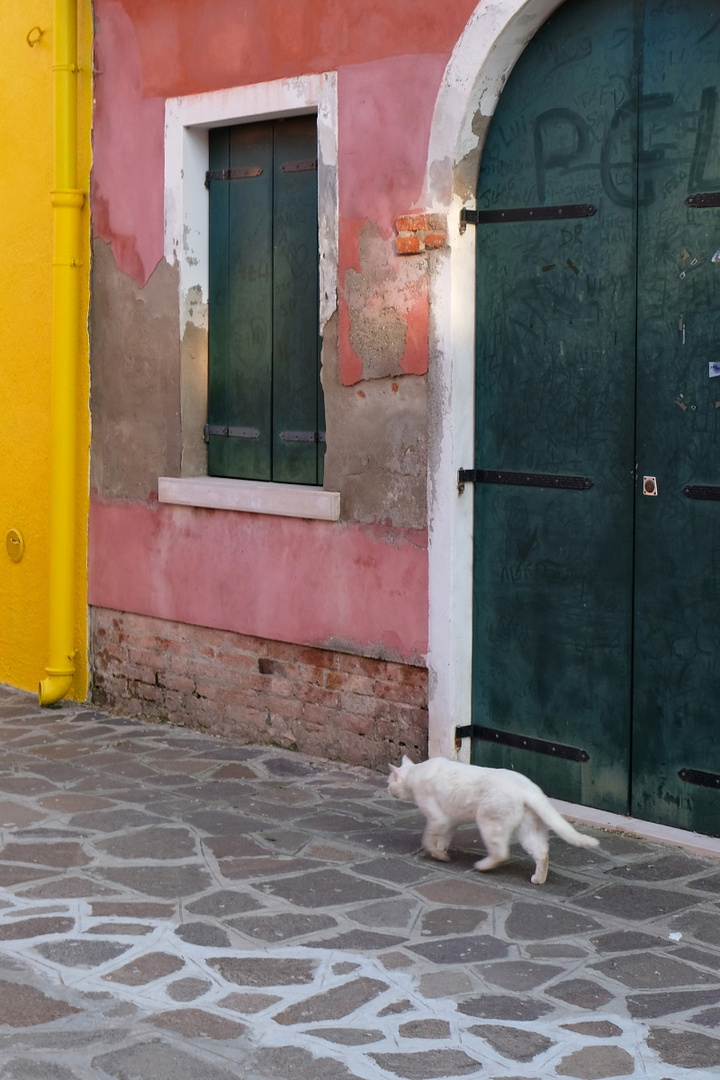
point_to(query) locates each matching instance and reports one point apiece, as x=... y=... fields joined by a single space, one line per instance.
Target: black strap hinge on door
x=541 y=480
x=696 y=776
x=704 y=200
x=521 y=742
x=526 y=213
x=706 y=492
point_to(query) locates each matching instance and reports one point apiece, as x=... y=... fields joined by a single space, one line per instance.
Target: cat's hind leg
x=533 y=837
x=495 y=838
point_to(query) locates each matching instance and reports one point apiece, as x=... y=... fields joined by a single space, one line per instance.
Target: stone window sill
x=250 y=496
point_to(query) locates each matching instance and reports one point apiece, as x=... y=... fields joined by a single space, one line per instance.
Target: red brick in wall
x=334 y=705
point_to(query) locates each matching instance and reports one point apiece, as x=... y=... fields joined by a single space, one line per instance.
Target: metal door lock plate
x=650 y=485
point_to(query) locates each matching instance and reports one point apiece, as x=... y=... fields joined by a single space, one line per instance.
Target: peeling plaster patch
x=135 y=395
x=440 y=182
x=466 y=175
x=468 y=168
x=377 y=448
x=390 y=649
x=193 y=398
x=383 y=297
x=378 y=337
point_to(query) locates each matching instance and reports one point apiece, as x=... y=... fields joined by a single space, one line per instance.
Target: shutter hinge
x=245 y=173
x=230 y=432
x=303 y=436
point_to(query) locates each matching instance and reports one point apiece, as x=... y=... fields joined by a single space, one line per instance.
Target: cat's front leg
x=436 y=840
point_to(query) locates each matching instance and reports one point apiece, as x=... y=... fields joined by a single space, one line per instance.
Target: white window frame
x=187 y=122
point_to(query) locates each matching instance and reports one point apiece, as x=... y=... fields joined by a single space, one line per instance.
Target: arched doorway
x=596 y=580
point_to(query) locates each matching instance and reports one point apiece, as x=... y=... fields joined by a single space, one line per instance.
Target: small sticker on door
x=713 y=369
x=716 y=257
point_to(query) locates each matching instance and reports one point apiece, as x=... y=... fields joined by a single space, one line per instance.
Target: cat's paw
x=441 y=856
x=488 y=863
x=538 y=879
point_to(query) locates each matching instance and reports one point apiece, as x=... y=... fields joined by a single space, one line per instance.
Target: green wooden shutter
x=240 y=340
x=265 y=403
x=295 y=321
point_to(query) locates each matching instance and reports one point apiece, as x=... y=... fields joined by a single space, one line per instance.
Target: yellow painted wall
x=26 y=228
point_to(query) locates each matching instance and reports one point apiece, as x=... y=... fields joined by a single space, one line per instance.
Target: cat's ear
x=407 y=763
x=394 y=770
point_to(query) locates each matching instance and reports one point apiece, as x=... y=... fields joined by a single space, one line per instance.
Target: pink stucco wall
x=128 y=152
x=309 y=582
x=301 y=581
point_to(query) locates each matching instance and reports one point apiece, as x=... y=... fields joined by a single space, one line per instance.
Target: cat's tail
x=538 y=801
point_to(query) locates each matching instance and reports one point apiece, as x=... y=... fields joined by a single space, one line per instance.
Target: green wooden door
x=596 y=602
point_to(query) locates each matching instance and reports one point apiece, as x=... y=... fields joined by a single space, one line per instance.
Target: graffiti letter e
x=551 y=128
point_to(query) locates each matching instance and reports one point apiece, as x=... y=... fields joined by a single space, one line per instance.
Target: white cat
x=499 y=801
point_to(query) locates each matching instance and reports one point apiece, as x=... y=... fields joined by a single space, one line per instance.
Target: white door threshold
x=708 y=846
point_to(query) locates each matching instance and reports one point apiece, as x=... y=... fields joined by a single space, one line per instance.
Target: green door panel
x=596 y=610
x=555 y=395
x=677 y=609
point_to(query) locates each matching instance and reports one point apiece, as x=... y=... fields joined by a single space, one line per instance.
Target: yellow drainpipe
x=67 y=202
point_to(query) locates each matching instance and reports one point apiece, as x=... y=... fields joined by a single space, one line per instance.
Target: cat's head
x=398 y=779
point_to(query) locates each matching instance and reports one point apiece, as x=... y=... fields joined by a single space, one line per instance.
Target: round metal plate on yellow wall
x=15 y=545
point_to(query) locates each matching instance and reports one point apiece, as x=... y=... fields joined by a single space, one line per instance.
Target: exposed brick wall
x=330 y=704
x=420 y=232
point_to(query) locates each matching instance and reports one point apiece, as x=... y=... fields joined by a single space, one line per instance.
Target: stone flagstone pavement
x=173 y=907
